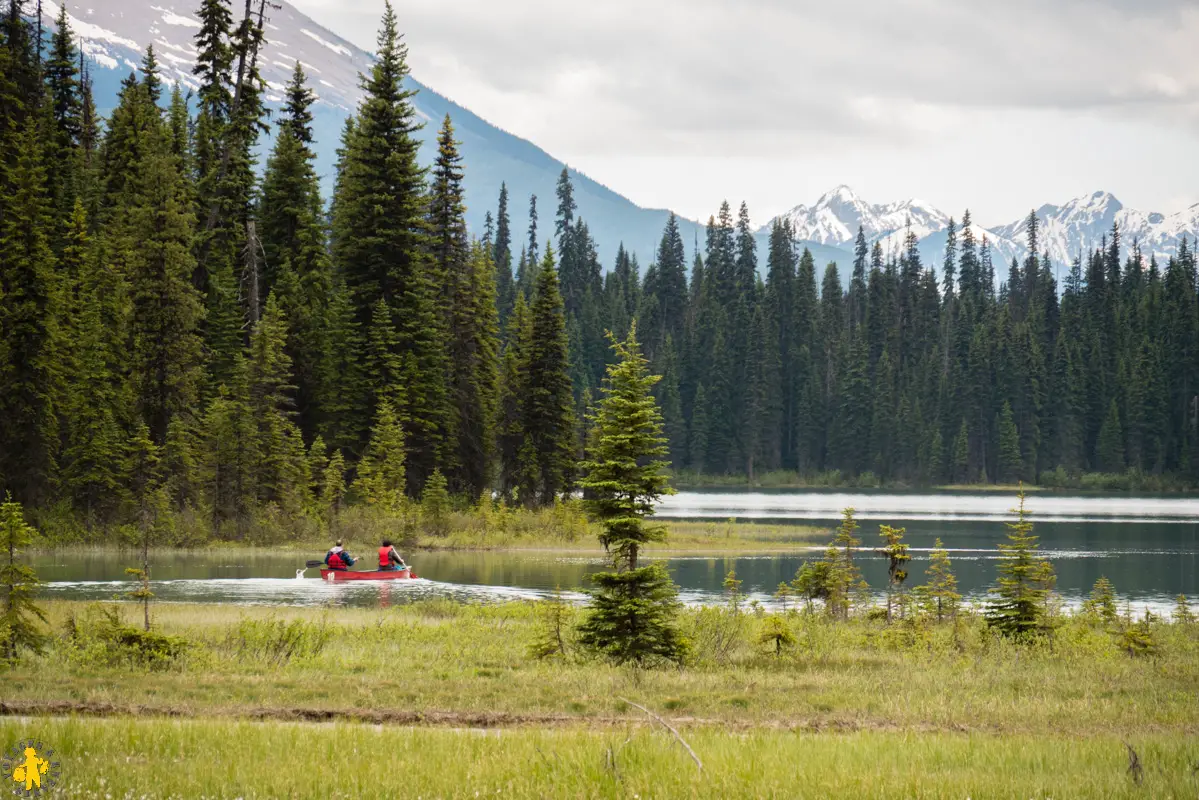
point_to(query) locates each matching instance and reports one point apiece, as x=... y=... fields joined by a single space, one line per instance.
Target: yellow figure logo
x=32 y=768
x=31 y=771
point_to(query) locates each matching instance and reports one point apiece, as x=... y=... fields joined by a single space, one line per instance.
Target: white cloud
x=791 y=89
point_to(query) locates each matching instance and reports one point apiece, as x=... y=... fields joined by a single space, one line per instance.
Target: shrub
x=776 y=632
x=99 y=637
x=275 y=641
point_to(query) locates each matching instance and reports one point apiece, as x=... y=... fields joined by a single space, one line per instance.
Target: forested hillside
x=180 y=336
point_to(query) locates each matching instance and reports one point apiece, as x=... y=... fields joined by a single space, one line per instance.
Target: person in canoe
x=389 y=559
x=338 y=557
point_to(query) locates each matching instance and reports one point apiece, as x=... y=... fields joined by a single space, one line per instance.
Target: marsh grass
x=443 y=656
x=200 y=759
x=559 y=530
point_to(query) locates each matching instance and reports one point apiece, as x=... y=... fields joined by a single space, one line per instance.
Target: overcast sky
x=999 y=106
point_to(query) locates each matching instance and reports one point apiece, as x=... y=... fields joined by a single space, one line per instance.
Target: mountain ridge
x=1066 y=230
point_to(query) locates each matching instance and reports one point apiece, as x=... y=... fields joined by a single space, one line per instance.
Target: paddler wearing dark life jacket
x=389 y=559
x=338 y=557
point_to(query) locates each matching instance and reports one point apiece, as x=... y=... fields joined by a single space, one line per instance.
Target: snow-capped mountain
x=834 y=219
x=1066 y=230
x=1080 y=225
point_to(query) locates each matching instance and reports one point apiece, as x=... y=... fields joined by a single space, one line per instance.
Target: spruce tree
x=632 y=617
x=1110 y=448
x=166 y=355
x=381 y=472
x=381 y=246
x=1011 y=464
x=896 y=553
x=66 y=99
x=30 y=322
x=501 y=256
x=1021 y=594
x=513 y=383
x=939 y=594
x=19 y=620
x=549 y=403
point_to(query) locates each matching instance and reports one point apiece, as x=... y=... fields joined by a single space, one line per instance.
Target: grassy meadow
x=199 y=759
x=311 y=703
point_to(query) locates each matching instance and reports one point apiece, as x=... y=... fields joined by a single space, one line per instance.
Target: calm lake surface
x=1147 y=546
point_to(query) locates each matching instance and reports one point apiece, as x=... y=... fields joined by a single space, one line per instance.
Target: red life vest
x=384 y=556
x=336 y=561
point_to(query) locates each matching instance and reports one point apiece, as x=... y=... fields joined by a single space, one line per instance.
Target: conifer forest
x=185 y=328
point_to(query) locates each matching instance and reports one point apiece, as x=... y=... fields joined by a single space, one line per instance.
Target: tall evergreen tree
x=381 y=245
x=549 y=403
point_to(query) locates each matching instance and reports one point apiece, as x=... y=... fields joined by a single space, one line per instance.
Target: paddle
x=313 y=564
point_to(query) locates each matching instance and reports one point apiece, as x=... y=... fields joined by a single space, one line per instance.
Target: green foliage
x=555 y=624
x=939 y=595
x=844 y=578
x=435 y=504
x=1102 y=602
x=277 y=642
x=776 y=632
x=381 y=246
x=1020 y=605
x=99 y=637
x=813 y=581
x=1182 y=611
x=381 y=471
x=547 y=417
x=20 y=615
x=632 y=615
x=632 y=618
x=624 y=475
x=1138 y=639
x=896 y=553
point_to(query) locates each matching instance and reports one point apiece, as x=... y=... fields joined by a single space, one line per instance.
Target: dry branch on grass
x=668 y=727
x=1134 y=765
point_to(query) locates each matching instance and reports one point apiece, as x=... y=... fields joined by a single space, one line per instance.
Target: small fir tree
x=1182 y=611
x=554 y=617
x=435 y=504
x=897 y=556
x=775 y=631
x=381 y=472
x=1102 y=602
x=939 y=595
x=845 y=579
x=632 y=618
x=1020 y=605
x=812 y=581
x=18 y=625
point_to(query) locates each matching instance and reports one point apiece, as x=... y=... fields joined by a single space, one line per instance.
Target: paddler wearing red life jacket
x=338 y=557
x=389 y=559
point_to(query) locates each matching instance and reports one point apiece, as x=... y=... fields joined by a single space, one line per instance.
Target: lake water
x=1147 y=546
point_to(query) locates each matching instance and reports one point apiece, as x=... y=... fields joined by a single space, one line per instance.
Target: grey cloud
x=693 y=74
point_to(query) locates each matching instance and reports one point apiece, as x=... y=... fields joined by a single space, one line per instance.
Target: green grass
x=528 y=532
x=856 y=709
x=471 y=662
x=223 y=759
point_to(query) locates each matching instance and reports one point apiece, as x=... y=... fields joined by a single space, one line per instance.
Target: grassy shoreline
x=449 y=697
x=682 y=537
x=443 y=656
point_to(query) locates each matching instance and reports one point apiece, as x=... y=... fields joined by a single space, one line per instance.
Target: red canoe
x=356 y=575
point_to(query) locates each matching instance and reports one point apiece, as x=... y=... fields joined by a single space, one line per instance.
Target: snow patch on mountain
x=171 y=18
x=336 y=48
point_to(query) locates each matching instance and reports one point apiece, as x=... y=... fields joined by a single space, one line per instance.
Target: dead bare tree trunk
x=250 y=273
